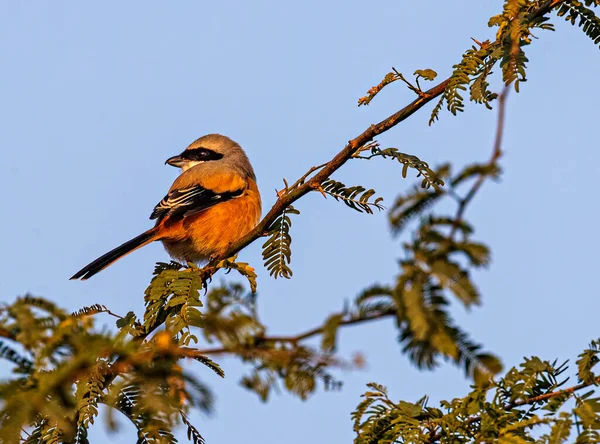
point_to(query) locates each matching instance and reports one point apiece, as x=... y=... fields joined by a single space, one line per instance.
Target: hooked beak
x=176 y=161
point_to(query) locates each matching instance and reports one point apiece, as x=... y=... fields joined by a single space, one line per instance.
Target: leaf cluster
x=526 y=405
x=231 y=320
x=65 y=368
x=515 y=24
x=430 y=179
x=277 y=252
x=357 y=197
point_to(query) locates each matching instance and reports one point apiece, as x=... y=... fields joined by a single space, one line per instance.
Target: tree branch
x=329 y=168
x=299 y=337
x=496 y=154
x=557 y=393
x=350 y=149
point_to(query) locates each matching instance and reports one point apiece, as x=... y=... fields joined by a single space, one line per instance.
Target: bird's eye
x=202 y=154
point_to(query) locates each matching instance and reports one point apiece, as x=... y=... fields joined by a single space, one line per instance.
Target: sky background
x=94 y=96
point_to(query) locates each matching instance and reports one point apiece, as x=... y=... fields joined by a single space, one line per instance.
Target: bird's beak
x=176 y=161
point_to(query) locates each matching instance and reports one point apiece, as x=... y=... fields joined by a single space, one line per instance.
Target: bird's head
x=213 y=148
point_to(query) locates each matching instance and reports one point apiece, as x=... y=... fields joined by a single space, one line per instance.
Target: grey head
x=213 y=148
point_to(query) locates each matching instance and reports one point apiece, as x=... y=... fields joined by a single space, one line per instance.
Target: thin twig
x=413 y=88
x=303 y=178
x=496 y=154
x=299 y=337
x=546 y=396
x=107 y=311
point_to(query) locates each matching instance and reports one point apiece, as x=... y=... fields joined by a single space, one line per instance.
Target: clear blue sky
x=96 y=95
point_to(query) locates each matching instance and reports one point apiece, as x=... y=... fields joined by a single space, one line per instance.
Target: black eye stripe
x=202 y=154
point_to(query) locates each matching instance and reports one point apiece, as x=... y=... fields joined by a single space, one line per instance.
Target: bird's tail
x=114 y=255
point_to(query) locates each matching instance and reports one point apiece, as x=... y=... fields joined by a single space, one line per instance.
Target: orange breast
x=197 y=237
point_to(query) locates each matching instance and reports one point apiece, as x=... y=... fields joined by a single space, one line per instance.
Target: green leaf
x=484 y=367
x=588 y=412
x=277 y=253
x=427 y=74
x=329 y=335
x=357 y=197
x=451 y=276
x=587 y=360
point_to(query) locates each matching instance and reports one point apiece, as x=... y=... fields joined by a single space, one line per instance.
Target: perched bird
x=212 y=203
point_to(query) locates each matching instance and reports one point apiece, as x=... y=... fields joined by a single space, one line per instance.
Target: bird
x=213 y=202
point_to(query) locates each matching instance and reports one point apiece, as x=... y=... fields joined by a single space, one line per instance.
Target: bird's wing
x=185 y=202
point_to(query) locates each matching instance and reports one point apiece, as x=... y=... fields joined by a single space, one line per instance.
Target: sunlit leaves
x=73 y=370
x=277 y=253
x=329 y=335
x=379 y=419
x=297 y=369
x=474 y=62
x=242 y=268
x=515 y=30
x=499 y=411
x=427 y=74
x=587 y=360
x=173 y=297
x=451 y=276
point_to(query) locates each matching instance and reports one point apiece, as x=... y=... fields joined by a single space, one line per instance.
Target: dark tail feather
x=114 y=255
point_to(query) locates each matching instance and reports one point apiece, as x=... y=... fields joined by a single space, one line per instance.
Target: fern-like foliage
x=474 y=62
x=357 y=197
x=230 y=317
x=430 y=179
x=74 y=368
x=173 y=297
x=587 y=360
x=475 y=171
x=572 y=10
x=90 y=310
x=151 y=409
x=193 y=435
x=503 y=411
x=298 y=369
x=89 y=393
x=277 y=252
x=515 y=25
x=437 y=267
x=415 y=202
x=23 y=363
